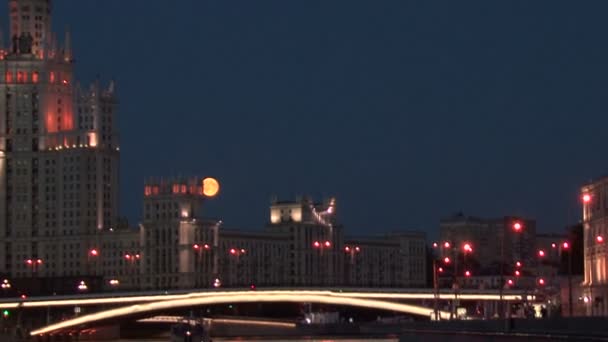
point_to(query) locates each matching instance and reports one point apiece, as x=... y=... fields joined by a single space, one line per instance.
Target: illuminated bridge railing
x=364 y=293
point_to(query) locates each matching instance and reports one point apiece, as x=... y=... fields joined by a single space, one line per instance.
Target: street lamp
x=34 y=263
x=321 y=246
x=566 y=248
x=199 y=266
x=352 y=251
x=517 y=227
x=436 y=271
x=237 y=253
x=467 y=248
x=82 y=286
x=586 y=198
x=133 y=259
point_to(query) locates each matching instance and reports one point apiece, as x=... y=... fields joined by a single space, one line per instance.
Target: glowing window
x=155 y=190
x=9 y=77
x=184 y=189
x=35 y=77
x=175 y=188
x=52 y=77
x=20 y=76
x=147 y=190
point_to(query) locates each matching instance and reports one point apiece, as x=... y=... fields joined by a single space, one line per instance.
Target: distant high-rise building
x=179 y=249
x=59 y=153
x=595 y=229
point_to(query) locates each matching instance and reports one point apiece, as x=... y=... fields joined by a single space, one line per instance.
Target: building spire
x=67 y=49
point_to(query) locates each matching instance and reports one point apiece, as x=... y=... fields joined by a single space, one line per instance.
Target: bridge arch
x=248 y=297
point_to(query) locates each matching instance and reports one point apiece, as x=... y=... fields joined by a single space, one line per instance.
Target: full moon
x=210 y=187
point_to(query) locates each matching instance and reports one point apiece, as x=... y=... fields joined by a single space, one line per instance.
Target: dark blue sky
x=406 y=111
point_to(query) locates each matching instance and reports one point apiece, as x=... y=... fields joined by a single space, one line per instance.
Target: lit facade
x=171 y=228
x=59 y=153
x=595 y=231
x=177 y=248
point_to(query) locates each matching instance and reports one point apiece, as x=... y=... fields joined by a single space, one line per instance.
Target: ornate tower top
x=30 y=31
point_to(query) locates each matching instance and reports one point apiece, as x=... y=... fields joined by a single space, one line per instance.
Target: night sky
x=405 y=111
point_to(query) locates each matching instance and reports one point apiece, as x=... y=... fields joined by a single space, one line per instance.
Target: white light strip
x=250 y=297
x=32 y=303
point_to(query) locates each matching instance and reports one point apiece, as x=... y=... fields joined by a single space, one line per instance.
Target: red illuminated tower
x=59 y=152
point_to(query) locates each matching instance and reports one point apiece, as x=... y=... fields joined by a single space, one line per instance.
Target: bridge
x=117 y=298
x=139 y=304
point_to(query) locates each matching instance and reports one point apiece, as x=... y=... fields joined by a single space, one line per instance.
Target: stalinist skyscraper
x=59 y=152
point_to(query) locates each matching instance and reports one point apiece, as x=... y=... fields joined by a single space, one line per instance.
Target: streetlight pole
x=501 y=285
x=566 y=247
x=436 y=290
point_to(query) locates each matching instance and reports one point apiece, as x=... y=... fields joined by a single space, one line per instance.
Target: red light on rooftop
x=446 y=245
x=541 y=253
x=510 y=282
x=327 y=244
x=316 y=244
x=599 y=239
x=196 y=246
x=93 y=252
x=467 y=273
x=446 y=260
x=541 y=281
x=232 y=251
x=137 y=256
x=553 y=245
x=586 y=198
x=206 y=246
x=128 y=256
x=243 y=251
x=565 y=245
x=435 y=245
x=517 y=273
x=39 y=261
x=357 y=249
x=440 y=269
x=517 y=226
x=347 y=249
x=23 y=296
x=29 y=261
x=518 y=264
